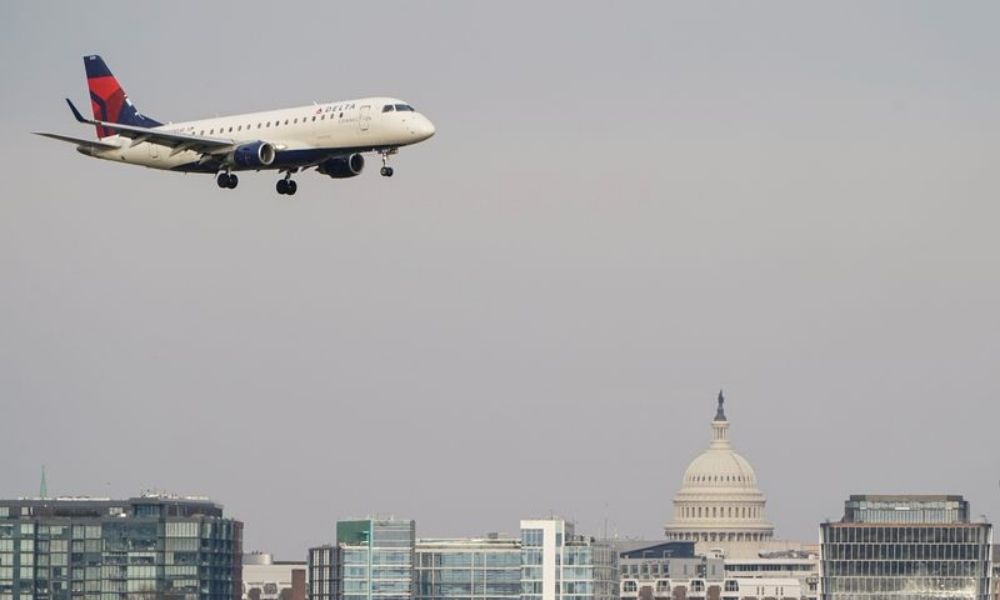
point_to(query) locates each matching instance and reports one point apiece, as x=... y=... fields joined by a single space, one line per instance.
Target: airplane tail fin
x=108 y=99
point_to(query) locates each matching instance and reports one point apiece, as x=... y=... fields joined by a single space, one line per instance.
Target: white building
x=557 y=564
x=721 y=509
x=719 y=504
x=267 y=579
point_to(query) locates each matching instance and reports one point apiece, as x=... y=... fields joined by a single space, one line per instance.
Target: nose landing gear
x=386 y=170
x=226 y=179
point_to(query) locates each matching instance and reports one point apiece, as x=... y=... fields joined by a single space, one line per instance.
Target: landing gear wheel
x=282 y=186
x=291 y=187
x=386 y=171
x=226 y=180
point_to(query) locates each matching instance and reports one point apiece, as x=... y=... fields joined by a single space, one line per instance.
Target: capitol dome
x=719 y=500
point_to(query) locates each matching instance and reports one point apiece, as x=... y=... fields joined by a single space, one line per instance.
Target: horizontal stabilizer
x=205 y=145
x=79 y=142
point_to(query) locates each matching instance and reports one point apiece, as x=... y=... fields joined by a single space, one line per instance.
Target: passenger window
x=239 y=128
x=323 y=118
x=341 y=115
x=202 y=132
x=230 y=130
x=314 y=117
x=295 y=121
x=258 y=125
x=286 y=121
x=268 y=124
x=212 y=132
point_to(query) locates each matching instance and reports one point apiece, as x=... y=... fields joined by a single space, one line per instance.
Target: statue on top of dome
x=720 y=413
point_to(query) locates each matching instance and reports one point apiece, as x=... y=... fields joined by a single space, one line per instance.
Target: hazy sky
x=625 y=208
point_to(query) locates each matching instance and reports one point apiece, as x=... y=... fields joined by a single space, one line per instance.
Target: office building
x=151 y=547
x=557 y=564
x=468 y=568
x=371 y=560
x=907 y=548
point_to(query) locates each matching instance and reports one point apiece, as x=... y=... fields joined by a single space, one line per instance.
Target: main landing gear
x=286 y=185
x=227 y=180
x=386 y=170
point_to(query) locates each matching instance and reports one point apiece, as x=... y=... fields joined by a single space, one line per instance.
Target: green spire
x=43 y=489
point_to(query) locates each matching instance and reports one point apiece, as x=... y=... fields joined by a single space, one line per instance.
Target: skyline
x=607 y=530
x=623 y=210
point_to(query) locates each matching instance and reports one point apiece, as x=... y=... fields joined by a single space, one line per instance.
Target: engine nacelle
x=341 y=168
x=253 y=155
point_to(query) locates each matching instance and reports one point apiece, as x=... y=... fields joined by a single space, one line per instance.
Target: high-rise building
x=557 y=564
x=468 y=569
x=372 y=560
x=146 y=548
x=906 y=548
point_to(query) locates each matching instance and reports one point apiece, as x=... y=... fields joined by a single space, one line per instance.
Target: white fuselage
x=347 y=126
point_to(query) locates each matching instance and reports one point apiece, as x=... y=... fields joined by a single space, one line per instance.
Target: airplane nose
x=423 y=128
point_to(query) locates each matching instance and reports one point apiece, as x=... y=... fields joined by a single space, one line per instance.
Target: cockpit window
x=387 y=108
x=404 y=107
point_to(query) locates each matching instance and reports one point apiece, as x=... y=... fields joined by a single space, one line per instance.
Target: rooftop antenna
x=605 y=520
x=43 y=489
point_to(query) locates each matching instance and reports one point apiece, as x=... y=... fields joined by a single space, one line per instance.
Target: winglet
x=76 y=113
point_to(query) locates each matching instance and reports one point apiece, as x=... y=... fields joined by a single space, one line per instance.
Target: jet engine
x=341 y=168
x=253 y=155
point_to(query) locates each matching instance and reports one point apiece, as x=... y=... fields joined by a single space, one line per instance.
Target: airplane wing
x=178 y=141
x=79 y=142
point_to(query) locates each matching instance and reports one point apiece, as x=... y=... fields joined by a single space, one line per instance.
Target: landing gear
x=286 y=185
x=386 y=170
x=227 y=180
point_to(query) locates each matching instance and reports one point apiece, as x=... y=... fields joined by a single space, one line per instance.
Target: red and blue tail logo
x=108 y=99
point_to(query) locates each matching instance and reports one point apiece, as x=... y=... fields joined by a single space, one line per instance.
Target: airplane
x=331 y=137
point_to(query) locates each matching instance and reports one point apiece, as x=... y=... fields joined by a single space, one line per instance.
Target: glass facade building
x=905 y=548
x=557 y=564
x=148 y=548
x=372 y=560
x=468 y=569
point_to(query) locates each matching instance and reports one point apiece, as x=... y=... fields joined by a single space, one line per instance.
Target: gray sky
x=625 y=208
